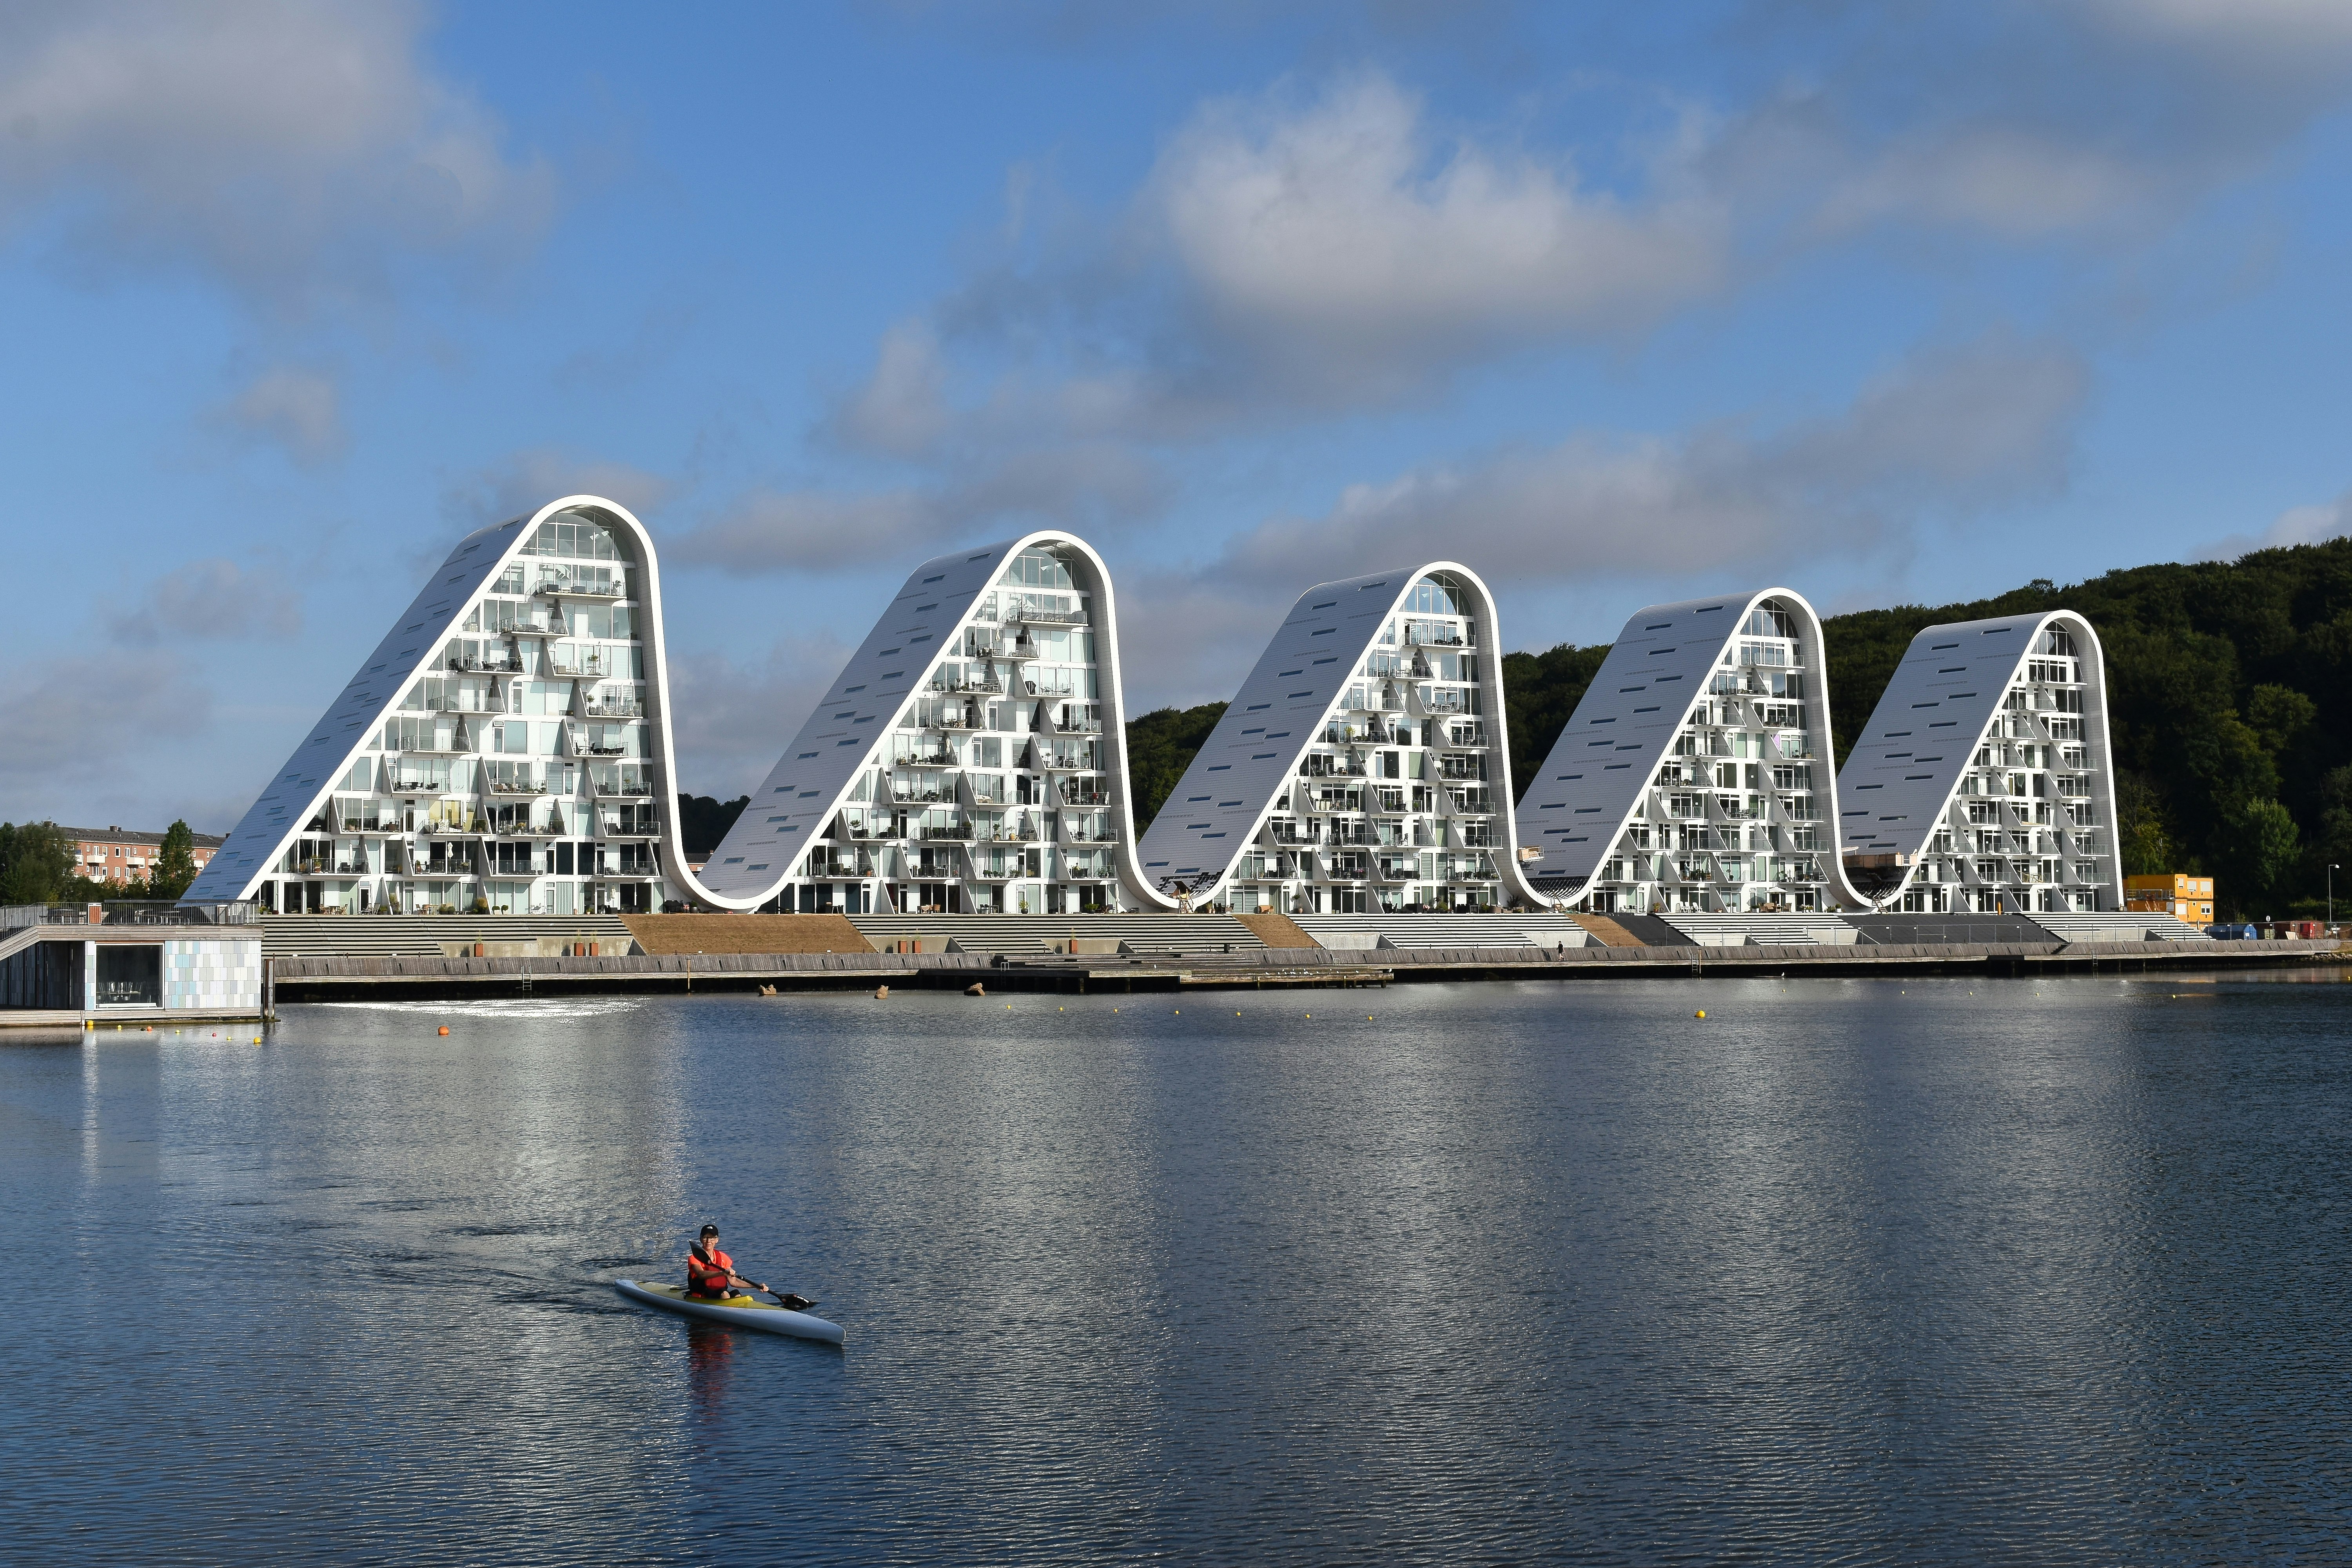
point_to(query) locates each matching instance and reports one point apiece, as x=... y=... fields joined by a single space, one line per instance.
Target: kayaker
x=710 y=1274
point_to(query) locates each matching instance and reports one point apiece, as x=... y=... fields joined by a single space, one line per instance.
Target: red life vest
x=713 y=1278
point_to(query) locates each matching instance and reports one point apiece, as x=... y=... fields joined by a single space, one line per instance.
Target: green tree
x=2141 y=836
x=176 y=863
x=703 y=821
x=2258 y=845
x=37 y=863
x=2279 y=715
x=1541 y=691
x=1160 y=746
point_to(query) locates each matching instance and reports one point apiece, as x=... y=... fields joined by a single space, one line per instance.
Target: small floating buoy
x=1700 y=1014
x=444 y=1028
x=977 y=989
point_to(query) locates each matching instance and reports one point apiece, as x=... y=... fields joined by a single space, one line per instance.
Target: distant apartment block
x=123 y=855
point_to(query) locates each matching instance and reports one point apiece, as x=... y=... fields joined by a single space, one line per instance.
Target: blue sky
x=1886 y=304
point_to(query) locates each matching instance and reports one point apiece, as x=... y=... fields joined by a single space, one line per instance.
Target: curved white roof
x=1230 y=786
x=923 y=624
x=1603 y=764
x=325 y=755
x=1903 y=771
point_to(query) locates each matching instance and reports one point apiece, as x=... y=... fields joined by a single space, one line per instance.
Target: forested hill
x=2231 y=694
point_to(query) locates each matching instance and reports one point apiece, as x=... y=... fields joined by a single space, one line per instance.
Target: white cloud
x=528 y=479
x=2310 y=524
x=301 y=410
x=70 y=723
x=1346 y=250
x=1087 y=489
x=208 y=600
x=1943 y=434
x=733 y=719
x=290 y=151
x=2277 y=27
x=901 y=409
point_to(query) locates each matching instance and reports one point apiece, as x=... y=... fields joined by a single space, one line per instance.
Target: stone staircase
x=440 y=936
x=1149 y=935
x=1764 y=930
x=2124 y=925
x=1544 y=929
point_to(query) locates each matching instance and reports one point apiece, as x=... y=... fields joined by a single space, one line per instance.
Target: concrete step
x=1544 y=929
x=421 y=936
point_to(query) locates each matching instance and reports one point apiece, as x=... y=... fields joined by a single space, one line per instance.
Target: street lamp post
x=2332 y=869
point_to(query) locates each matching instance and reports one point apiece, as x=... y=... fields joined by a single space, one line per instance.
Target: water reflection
x=1848 y=1271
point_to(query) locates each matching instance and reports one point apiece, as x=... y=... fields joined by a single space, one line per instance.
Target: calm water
x=1850 y=1272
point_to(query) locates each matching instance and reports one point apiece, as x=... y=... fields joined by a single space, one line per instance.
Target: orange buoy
x=444 y=1028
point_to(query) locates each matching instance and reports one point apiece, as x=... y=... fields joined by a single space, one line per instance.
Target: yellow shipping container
x=2175 y=893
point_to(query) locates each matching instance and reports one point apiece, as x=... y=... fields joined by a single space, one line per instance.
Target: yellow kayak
x=735 y=1311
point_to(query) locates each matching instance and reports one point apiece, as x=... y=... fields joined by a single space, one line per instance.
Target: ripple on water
x=1851 y=1273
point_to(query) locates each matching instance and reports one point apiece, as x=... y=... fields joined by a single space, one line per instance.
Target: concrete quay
x=344 y=978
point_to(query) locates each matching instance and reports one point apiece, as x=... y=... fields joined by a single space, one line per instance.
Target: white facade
x=505 y=749
x=1364 y=765
x=1695 y=775
x=971 y=757
x=1983 y=783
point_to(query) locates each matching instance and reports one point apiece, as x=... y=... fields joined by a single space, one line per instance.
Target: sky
x=1881 y=303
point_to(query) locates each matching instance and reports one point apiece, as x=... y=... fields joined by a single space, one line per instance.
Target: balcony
x=496 y=787
x=623 y=790
x=1018 y=617
x=1085 y=797
x=582 y=669
x=954 y=833
x=509 y=666
x=564 y=588
x=612 y=709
